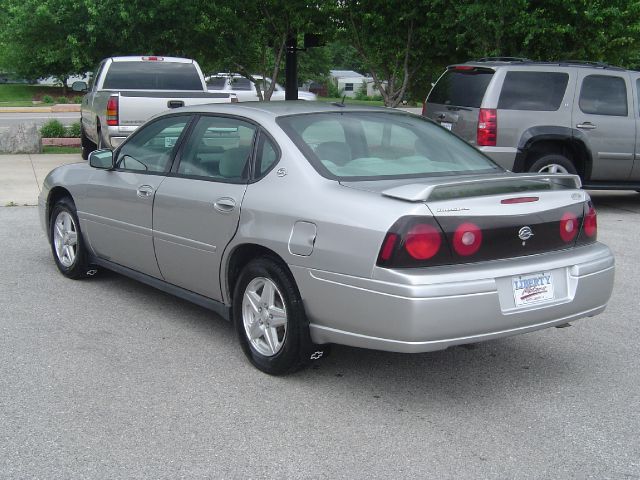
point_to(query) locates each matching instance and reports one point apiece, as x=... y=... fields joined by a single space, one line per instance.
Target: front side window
x=539 y=91
x=219 y=149
x=380 y=145
x=603 y=95
x=151 y=149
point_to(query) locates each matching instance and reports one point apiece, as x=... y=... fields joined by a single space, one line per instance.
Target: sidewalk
x=21 y=176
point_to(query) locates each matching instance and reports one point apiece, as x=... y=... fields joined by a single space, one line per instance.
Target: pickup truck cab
x=246 y=90
x=125 y=92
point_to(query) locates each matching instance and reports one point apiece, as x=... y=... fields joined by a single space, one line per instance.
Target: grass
x=54 y=149
x=20 y=95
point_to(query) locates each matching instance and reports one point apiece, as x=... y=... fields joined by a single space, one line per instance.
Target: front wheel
x=67 y=244
x=270 y=320
x=553 y=163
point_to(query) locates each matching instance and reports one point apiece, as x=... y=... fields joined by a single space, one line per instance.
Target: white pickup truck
x=246 y=89
x=126 y=91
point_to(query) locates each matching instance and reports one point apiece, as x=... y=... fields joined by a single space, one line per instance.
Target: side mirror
x=79 y=86
x=102 y=159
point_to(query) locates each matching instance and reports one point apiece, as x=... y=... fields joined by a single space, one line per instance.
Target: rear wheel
x=553 y=163
x=270 y=320
x=67 y=244
x=87 y=145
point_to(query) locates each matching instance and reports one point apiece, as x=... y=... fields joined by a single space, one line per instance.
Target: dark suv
x=564 y=117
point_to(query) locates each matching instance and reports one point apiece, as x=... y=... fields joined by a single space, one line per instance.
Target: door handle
x=225 y=205
x=144 y=191
x=586 y=126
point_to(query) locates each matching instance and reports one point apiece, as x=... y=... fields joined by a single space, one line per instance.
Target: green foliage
x=361 y=93
x=62 y=100
x=47 y=99
x=77 y=99
x=73 y=130
x=332 y=89
x=53 y=129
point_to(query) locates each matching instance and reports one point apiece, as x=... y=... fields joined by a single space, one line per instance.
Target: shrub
x=62 y=100
x=332 y=90
x=77 y=99
x=53 y=129
x=47 y=99
x=73 y=130
x=361 y=94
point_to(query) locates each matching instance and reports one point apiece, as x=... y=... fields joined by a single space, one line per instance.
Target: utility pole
x=291 y=68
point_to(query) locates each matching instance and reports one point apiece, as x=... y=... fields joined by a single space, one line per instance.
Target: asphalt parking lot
x=108 y=378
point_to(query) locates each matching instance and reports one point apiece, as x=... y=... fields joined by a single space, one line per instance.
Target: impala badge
x=525 y=233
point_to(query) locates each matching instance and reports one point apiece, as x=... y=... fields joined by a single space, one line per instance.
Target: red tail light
x=591 y=223
x=467 y=239
x=568 y=227
x=112 y=111
x=423 y=241
x=487 y=127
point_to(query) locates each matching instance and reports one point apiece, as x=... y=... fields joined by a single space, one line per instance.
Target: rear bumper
x=118 y=134
x=503 y=156
x=432 y=311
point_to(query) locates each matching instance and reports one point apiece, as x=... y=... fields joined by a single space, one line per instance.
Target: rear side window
x=152 y=76
x=604 y=95
x=461 y=88
x=241 y=84
x=216 y=83
x=541 y=91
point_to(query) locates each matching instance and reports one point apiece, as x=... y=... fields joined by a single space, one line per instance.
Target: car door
x=603 y=113
x=197 y=208
x=118 y=208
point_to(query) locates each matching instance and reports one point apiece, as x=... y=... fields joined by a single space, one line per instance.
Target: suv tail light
x=487 y=127
x=112 y=111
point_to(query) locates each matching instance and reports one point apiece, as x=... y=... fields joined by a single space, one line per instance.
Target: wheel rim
x=264 y=316
x=553 y=168
x=65 y=239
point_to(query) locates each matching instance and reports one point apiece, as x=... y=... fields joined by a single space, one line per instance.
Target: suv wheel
x=553 y=163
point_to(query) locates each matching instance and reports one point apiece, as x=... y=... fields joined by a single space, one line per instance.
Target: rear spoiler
x=421 y=192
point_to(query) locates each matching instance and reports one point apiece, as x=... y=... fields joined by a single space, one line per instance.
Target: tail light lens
x=112 y=111
x=568 y=227
x=591 y=223
x=467 y=239
x=423 y=241
x=414 y=242
x=487 y=127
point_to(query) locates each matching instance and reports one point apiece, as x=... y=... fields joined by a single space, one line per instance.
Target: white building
x=350 y=82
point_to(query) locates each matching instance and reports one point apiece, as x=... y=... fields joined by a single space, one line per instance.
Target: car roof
x=280 y=109
x=502 y=62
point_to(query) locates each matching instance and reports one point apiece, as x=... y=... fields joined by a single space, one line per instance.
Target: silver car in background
x=310 y=224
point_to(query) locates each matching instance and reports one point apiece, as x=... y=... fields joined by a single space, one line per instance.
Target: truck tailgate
x=136 y=107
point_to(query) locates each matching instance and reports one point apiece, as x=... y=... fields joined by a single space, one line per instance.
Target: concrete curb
x=62 y=142
x=71 y=107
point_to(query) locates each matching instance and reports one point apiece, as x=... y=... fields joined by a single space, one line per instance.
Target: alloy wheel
x=65 y=239
x=264 y=316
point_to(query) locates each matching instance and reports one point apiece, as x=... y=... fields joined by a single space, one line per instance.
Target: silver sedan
x=310 y=224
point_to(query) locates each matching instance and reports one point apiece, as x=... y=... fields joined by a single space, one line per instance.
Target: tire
x=553 y=163
x=67 y=244
x=87 y=145
x=285 y=347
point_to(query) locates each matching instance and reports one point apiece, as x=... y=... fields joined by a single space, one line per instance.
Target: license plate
x=534 y=288
x=447 y=125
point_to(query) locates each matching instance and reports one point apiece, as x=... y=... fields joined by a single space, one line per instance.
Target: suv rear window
x=542 y=91
x=380 y=145
x=461 y=88
x=152 y=76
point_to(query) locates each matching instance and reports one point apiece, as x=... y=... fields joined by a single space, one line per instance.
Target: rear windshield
x=381 y=145
x=541 y=91
x=152 y=76
x=461 y=88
